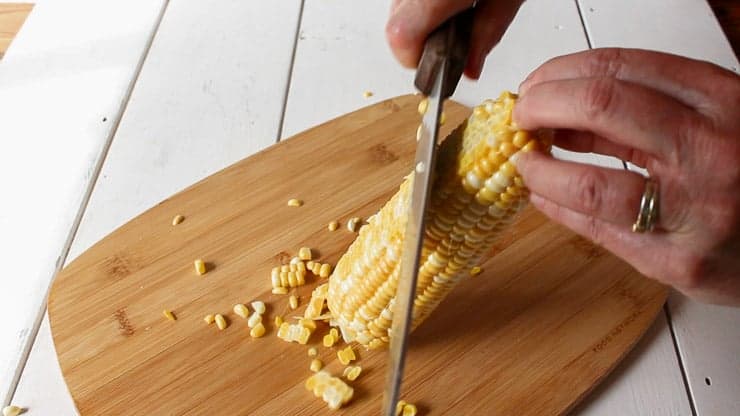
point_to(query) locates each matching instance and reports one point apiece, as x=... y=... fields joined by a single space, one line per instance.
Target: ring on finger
x=647 y=216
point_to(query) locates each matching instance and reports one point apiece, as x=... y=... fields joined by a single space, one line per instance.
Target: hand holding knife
x=440 y=68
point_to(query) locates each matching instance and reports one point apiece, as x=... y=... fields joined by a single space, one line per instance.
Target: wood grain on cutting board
x=547 y=319
x=12 y=16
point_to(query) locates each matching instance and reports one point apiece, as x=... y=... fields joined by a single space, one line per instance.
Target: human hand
x=676 y=117
x=412 y=20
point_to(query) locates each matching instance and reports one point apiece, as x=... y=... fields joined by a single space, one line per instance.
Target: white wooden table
x=108 y=107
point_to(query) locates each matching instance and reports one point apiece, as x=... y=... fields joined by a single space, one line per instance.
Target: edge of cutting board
x=539 y=286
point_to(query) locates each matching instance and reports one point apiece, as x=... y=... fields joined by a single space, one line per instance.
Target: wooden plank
x=544 y=29
x=62 y=88
x=566 y=311
x=12 y=16
x=211 y=93
x=684 y=27
x=708 y=337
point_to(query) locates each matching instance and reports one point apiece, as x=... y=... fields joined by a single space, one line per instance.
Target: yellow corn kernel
x=316 y=365
x=177 y=219
x=477 y=195
x=12 y=410
x=259 y=307
x=332 y=227
x=419 y=131
x=325 y=270
x=399 y=407
x=475 y=271
x=346 y=355
x=280 y=291
x=423 y=105
x=310 y=264
x=304 y=253
x=367 y=94
x=334 y=334
x=293 y=202
x=275 y=277
x=220 y=321
x=316 y=268
x=353 y=223
x=293 y=302
x=316 y=304
x=169 y=315
x=209 y=319
x=278 y=321
x=442 y=119
x=257 y=331
x=332 y=390
x=200 y=267
x=328 y=340
x=312 y=352
x=307 y=323
x=254 y=320
x=409 y=410
x=241 y=310
x=352 y=372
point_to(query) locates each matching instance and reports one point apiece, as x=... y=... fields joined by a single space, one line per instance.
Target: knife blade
x=440 y=68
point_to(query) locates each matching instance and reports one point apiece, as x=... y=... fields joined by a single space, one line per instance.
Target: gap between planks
x=666 y=311
x=83 y=205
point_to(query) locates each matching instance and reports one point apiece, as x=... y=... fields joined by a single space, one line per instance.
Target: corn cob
x=476 y=193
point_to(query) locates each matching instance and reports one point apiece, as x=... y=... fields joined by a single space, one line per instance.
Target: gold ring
x=647 y=216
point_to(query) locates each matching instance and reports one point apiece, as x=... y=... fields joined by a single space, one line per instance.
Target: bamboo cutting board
x=547 y=319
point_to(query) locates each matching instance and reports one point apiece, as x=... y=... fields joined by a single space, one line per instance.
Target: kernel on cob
x=476 y=193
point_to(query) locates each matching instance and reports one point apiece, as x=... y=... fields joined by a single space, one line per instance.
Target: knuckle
x=588 y=188
x=599 y=97
x=604 y=62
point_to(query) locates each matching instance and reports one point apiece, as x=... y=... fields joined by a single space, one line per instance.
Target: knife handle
x=450 y=42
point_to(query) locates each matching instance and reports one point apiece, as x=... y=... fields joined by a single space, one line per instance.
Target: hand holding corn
x=681 y=125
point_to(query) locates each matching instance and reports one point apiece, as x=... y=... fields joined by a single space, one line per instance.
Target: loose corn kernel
x=259 y=307
x=325 y=270
x=399 y=407
x=353 y=223
x=334 y=333
x=209 y=319
x=367 y=94
x=220 y=321
x=304 y=253
x=200 y=267
x=12 y=410
x=475 y=270
x=423 y=105
x=332 y=390
x=293 y=302
x=316 y=303
x=352 y=372
x=409 y=410
x=316 y=365
x=307 y=323
x=177 y=219
x=328 y=340
x=280 y=291
x=346 y=355
x=293 y=262
x=310 y=264
x=312 y=352
x=278 y=321
x=241 y=310
x=169 y=315
x=333 y=226
x=419 y=131
x=316 y=269
x=294 y=202
x=254 y=320
x=442 y=119
x=257 y=331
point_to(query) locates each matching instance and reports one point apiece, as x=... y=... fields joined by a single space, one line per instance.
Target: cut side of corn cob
x=477 y=192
